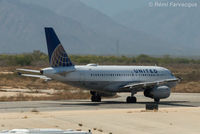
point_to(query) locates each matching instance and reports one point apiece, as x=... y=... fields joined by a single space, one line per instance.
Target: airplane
x=154 y=81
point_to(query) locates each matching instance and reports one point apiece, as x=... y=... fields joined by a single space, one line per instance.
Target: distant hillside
x=22 y=30
x=82 y=30
x=178 y=26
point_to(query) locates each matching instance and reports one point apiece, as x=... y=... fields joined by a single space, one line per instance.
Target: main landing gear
x=156 y=100
x=95 y=97
x=131 y=99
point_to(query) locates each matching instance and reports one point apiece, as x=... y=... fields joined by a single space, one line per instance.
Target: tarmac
x=178 y=114
x=175 y=100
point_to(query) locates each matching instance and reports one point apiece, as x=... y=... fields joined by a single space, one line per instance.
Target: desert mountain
x=82 y=30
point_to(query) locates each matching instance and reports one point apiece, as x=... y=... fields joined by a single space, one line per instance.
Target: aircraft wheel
x=92 y=92
x=130 y=99
x=96 y=98
x=156 y=100
x=93 y=98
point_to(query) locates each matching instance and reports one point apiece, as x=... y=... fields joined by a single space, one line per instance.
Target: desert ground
x=115 y=121
x=180 y=113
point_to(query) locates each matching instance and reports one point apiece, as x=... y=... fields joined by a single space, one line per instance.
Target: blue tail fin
x=57 y=55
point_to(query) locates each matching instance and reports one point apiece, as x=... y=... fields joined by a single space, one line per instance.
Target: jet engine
x=160 y=92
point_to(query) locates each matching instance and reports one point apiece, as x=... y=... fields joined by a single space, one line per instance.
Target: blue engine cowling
x=160 y=92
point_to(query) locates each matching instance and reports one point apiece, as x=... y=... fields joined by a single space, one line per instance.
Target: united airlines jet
x=156 y=82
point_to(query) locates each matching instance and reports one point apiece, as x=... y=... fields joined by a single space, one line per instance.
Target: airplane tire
x=130 y=99
x=93 y=98
x=96 y=98
x=156 y=100
x=134 y=99
x=93 y=93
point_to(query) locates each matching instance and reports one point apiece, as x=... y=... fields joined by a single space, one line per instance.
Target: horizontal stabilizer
x=35 y=76
x=28 y=70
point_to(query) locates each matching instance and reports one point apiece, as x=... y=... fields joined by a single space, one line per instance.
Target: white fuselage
x=107 y=78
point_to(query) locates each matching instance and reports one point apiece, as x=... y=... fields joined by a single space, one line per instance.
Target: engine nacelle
x=160 y=92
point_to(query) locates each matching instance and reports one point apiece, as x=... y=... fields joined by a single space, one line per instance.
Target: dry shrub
x=189 y=87
x=58 y=96
x=80 y=124
x=100 y=130
x=34 y=111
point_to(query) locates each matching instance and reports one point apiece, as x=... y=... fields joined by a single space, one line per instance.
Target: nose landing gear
x=132 y=98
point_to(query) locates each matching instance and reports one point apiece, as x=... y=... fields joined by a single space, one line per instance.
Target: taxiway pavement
x=175 y=100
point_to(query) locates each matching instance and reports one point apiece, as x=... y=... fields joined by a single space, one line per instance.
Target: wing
x=144 y=85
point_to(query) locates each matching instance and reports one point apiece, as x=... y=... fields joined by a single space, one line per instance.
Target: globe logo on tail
x=60 y=58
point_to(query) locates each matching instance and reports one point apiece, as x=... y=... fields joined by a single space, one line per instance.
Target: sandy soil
x=6 y=72
x=9 y=91
x=119 y=121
